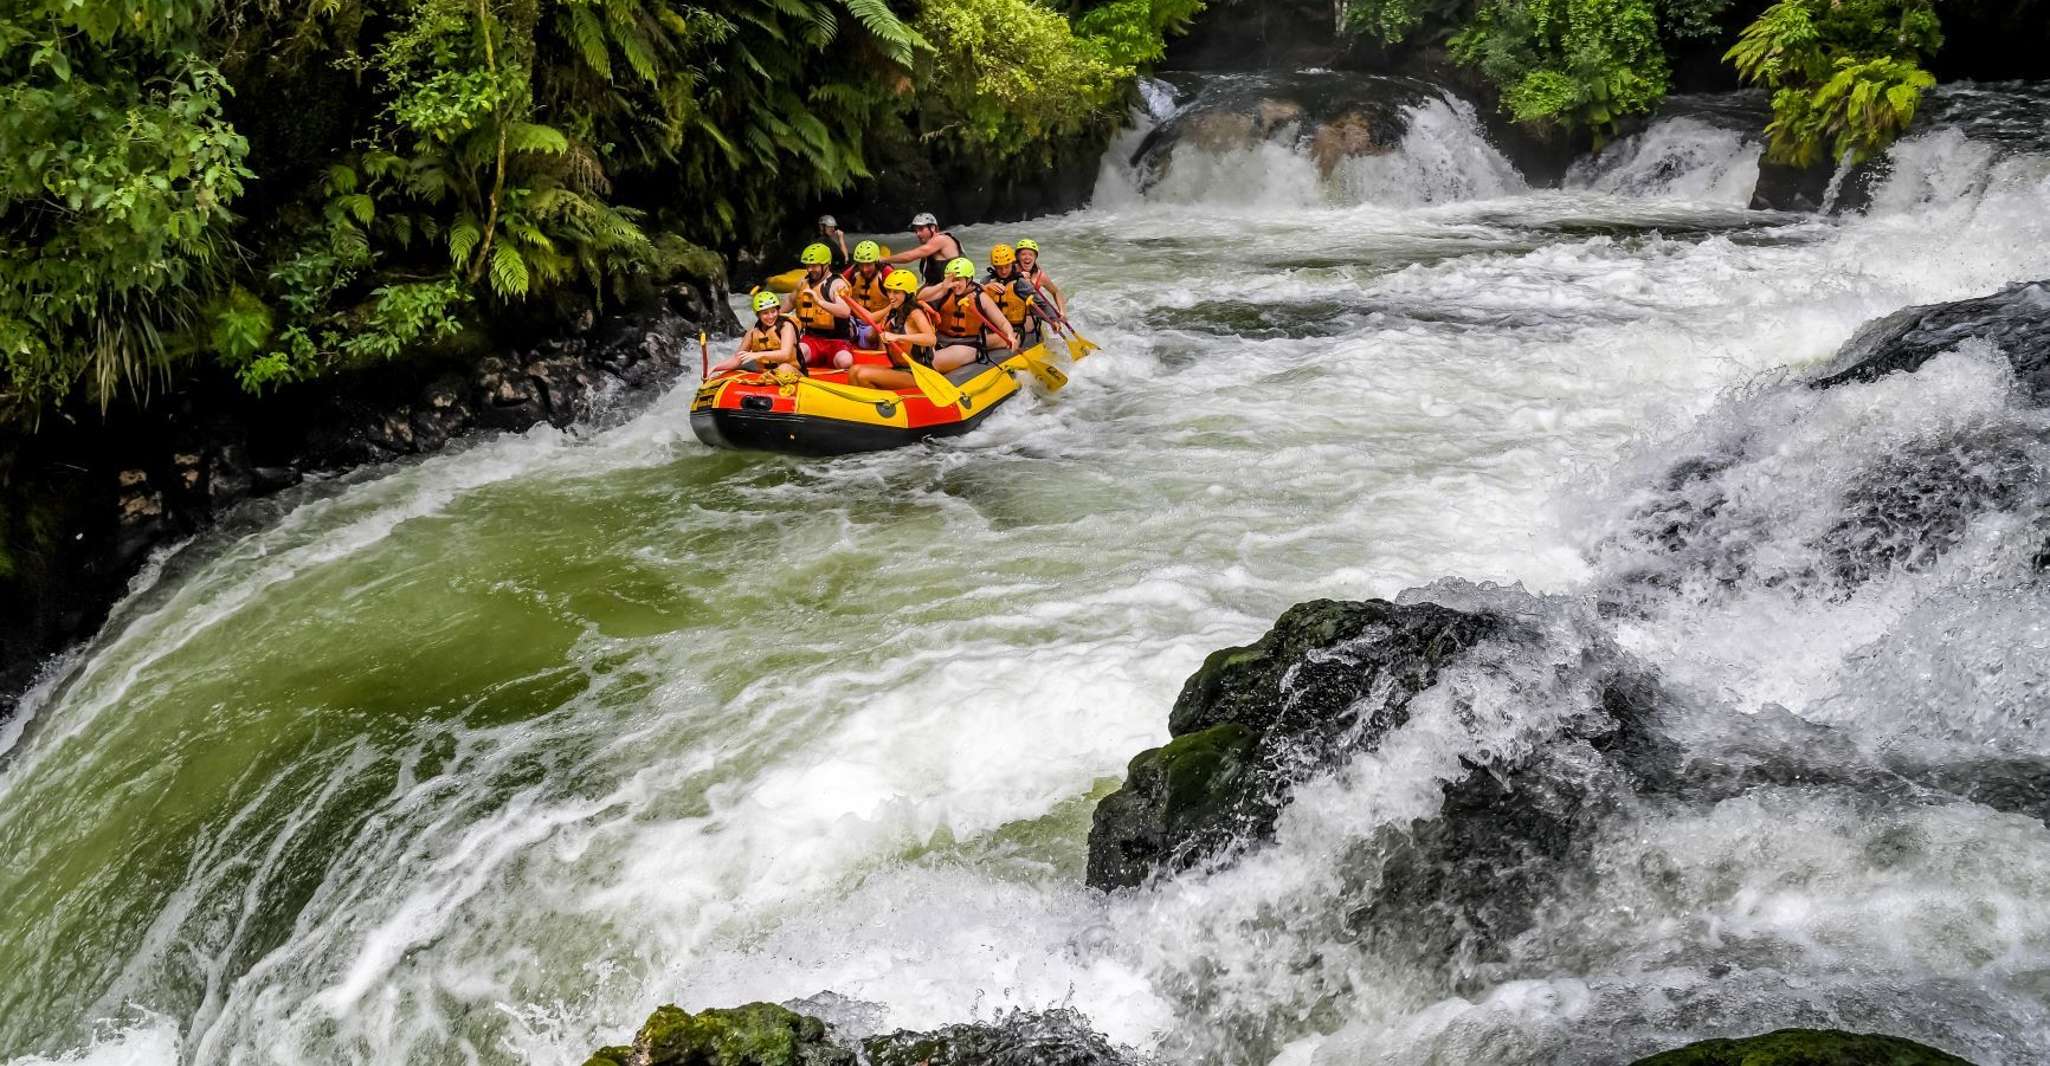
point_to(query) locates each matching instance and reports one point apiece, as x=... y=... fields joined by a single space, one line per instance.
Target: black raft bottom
x=769 y=431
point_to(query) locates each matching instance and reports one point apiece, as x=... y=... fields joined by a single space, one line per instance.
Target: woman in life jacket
x=903 y=322
x=971 y=328
x=936 y=248
x=771 y=341
x=1028 y=268
x=1013 y=295
x=820 y=312
x=865 y=287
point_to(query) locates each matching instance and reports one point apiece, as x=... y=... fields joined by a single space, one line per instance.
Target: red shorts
x=819 y=351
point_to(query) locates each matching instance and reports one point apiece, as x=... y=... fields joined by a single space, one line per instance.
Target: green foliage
x=116 y=172
x=1133 y=33
x=1568 y=62
x=1007 y=73
x=1847 y=73
x=1394 y=21
x=465 y=157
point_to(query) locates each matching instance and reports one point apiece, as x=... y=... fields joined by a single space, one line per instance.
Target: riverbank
x=91 y=501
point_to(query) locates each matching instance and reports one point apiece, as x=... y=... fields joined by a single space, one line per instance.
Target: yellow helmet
x=962 y=267
x=1002 y=255
x=902 y=281
x=765 y=300
x=867 y=252
x=816 y=255
x=1028 y=245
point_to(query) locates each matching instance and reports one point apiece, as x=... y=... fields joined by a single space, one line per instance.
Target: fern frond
x=508 y=271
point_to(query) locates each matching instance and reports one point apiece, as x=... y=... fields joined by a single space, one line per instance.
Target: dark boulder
x=1805 y=1047
x=1329 y=679
x=1019 y=1038
x=758 y=1034
x=764 y=1034
x=2015 y=320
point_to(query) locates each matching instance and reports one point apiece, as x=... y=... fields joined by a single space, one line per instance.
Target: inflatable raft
x=821 y=414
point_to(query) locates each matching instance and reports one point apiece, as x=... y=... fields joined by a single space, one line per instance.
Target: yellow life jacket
x=759 y=341
x=816 y=320
x=1014 y=306
x=869 y=291
x=959 y=317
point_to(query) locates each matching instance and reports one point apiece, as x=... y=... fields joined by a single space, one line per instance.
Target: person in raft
x=821 y=313
x=865 y=287
x=971 y=328
x=835 y=238
x=1013 y=295
x=771 y=341
x=1028 y=268
x=936 y=248
x=903 y=322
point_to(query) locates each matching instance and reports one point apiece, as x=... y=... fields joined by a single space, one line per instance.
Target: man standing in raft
x=772 y=340
x=935 y=247
x=970 y=326
x=821 y=313
x=903 y=322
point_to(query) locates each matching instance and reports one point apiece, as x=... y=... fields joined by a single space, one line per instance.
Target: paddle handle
x=704 y=356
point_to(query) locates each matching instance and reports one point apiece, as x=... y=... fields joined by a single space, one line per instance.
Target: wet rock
x=1345 y=137
x=1329 y=117
x=2015 y=320
x=392 y=432
x=1806 y=1047
x=758 y=1034
x=229 y=478
x=1021 y=1038
x=562 y=388
x=1330 y=678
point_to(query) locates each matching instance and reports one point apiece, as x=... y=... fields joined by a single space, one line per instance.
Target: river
x=478 y=759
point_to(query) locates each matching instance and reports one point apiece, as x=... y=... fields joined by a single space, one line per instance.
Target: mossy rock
x=1806 y=1047
x=1057 y=1037
x=1329 y=680
x=1317 y=661
x=758 y=1034
x=1189 y=798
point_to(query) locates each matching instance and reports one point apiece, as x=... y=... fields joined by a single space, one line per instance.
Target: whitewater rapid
x=481 y=758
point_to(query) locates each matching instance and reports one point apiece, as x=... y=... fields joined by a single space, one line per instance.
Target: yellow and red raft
x=820 y=413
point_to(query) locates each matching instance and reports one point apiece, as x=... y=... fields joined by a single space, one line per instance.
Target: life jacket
x=758 y=341
x=959 y=321
x=897 y=323
x=869 y=292
x=1014 y=299
x=936 y=263
x=817 y=321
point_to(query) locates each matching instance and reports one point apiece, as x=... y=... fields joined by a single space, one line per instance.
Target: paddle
x=704 y=357
x=931 y=383
x=1079 y=346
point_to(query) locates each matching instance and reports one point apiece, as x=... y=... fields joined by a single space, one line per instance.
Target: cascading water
x=480 y=759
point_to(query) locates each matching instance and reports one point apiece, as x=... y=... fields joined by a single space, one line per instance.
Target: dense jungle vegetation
x=280 y=190
x=1847 y=75
x=277 y=191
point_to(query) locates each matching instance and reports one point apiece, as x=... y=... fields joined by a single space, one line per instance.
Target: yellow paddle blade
x=1033 y=359
x=1079 y=347
x=934 y=385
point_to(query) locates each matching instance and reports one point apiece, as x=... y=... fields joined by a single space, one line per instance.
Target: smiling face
x=767 y=316
x=1027 y=258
